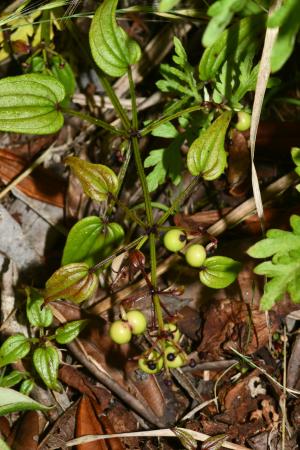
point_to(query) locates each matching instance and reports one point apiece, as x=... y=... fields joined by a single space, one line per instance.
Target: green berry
x=195 y=255
x=244 y=121
x=173 y=330
x=153 y=363
x=174 y=359
x=175 y=240
x=120 y=332
x=137 y=321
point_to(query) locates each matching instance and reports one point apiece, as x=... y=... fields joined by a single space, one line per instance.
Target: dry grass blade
x=154 y=433
x=261 y=85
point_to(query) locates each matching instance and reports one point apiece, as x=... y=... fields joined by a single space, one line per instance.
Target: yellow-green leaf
x=97 y=180
x=30 y=104
x=207 y=156
x=72 y=282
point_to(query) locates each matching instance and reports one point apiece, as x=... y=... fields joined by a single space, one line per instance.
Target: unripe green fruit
x=174 y=359
x=120 y=332
x=244 y=121
x=153 y=363
x=195 y=255
x=137 y=321
x=173 y=330
x=174 y=240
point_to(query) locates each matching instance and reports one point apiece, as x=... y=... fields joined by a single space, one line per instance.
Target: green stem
x=116 y=253
x=178 y=200
x=121 y=177
x=159 y=122
x=115 y=101
x=131 y=214
x=94 y=121
x=147 y=200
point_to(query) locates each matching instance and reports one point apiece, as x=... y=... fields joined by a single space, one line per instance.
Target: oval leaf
x=38 y=314
x=13 y=378
x=13 y=401
x=27 y=386
x=69 y=331
x=14 y=348
x=72 y=282
x=233 y=44
x=97 y=180
x=63 y=72
x=219 y=271
x=207 y=156
x=112 y=49
x=30 y=104
x=89 y=240
x=46 y=363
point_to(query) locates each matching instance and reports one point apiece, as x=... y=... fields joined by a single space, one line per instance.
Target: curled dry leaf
x=229 y=324
x=87 y=423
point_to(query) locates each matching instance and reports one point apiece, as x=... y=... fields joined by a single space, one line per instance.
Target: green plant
x=45 y=356
x=199 y=113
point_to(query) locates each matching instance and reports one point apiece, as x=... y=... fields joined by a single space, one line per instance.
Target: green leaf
x=62 y=71
x=38 y=314
x=221 y=12
x=112 y=49
x=232 y=46
x=285 y=278
x=68 y=332
x=166 y=162
x=27 y=386
x=13 y=401
x=90 y=240
x=30 y=104
x=165 y=130
x=283 y=14
x=277 y=241
x=179 y=79
x=284 y=269
x=3 y=445
x=219 y=271
x=166 y=5
x=13 y=378
x=207 y=156
x=46 y=363
x=97 y=181
x=72 y=282
x=13 y=349
x=286 y=39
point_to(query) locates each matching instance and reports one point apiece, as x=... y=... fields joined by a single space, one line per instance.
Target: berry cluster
x=175 y=240
x=121 y=331
x=167 y=352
